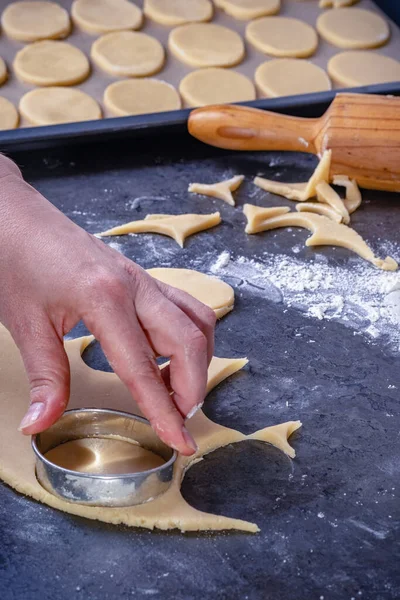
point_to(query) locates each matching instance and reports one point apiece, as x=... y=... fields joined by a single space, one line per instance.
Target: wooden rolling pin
x=362 y=130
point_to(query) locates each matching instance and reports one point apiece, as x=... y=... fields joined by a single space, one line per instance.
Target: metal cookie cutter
x=108 y=441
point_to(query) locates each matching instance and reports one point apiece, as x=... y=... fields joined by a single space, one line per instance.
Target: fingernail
x=194 y=410
x=189 y=439
x=33 y=414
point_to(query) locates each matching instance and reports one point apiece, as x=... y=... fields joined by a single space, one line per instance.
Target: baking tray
x=173 y=72
x=330 y=520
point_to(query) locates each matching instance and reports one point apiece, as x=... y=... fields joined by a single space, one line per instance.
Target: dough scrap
x=3 y=71
x=211 y=291
x=52 y=105
x=90 y=388
x=34 y=21
x=327 y=195
x=178 y=227
x=320 y=209
x=206 y=45
x=290 y=76
x=282 y=37
x=178 y=12
x=299 y=191
x=325 y=232
x=105 y=16
x=353 y=195
x=222 y=190
x=336 y=3
x=128 y=54
x=9 y=117
x=216 y=86
x=50 y=63
x=140 y=96
x=245 y=10
x=353 y=28
x=360 y=67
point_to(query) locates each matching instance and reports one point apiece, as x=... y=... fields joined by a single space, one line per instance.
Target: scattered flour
x=359 y=296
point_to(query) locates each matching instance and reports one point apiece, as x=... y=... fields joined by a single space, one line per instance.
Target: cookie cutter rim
x=107 y=490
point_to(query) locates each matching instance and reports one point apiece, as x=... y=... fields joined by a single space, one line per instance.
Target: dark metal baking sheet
x=330 y=520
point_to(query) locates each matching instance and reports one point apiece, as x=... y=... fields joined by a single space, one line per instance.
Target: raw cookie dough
x=290 y=76
x=178 y=12
x=216 y=86
x=358 y=67
x=213 y=292
x=52 y=105
x=140 y=96
x=222 y=190
x=206 y=45
x=90 y=388
x=3 y=71
x=246 y=10
x=327 y=195
x=336 y=3
x=320 y=209
x=128 y=54
x=353 y=195
x=9 y=117
x=178 y=227
x=353 y=28
x=33 y=21
x=104 y=16
x=325 y=231
x=299 y=191
x=51 y=63
x=282 y=37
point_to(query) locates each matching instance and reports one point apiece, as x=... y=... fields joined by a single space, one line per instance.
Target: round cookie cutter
x=92 y=425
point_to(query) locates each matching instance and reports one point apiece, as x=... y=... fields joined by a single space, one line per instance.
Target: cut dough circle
x=178 y=12
x=34 y=21
x=52 y=105
x=51 y=63
x=246 y=10
x=357 y=67
x=353 y=28
x=9 y=117
x=282 y=37
x=216 y=86
x=289 y=76
x=206 y=45
x=140 y=96
x=336 y=3
x=105 y=16
x=128 y=54
x=212 y=292
x=3 y=71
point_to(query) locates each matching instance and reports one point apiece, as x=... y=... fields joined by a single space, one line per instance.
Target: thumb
x=47 y=367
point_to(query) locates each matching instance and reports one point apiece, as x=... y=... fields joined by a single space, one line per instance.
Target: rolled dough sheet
x=290 y=76
x=282 y=37
x=104 y=16
x=221 y=190
x=178 y=12
x=9 y=117
x=325 y=231
x=353 y=28
x=3 y=71
x=360 y=67
x=213 y=292
x=50 y=63
x=299 y=191
x=206 y=45
x=140 y=96
x=52 y=105
x=216 y=86
x=246 y=10
x=178 y=227
x=33 y=21
x=128 y=54
x=91 y=388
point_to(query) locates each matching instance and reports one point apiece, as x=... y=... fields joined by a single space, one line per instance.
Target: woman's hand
x=53 y=274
